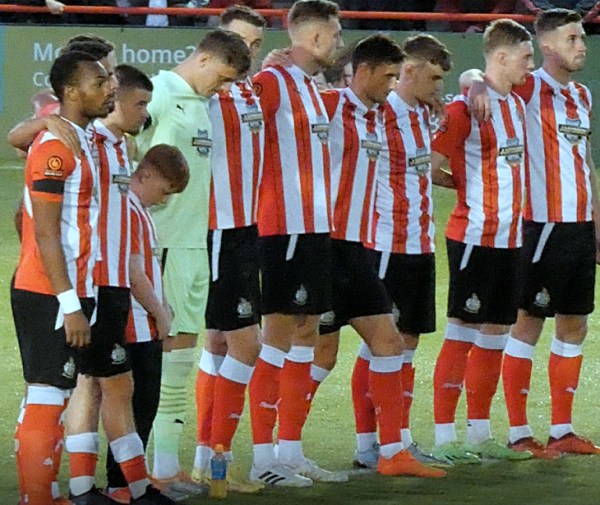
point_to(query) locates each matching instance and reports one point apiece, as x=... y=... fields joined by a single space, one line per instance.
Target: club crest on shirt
x=321 y=129
x=253 y=117
x=512 y=152
x=542 y=299
x=421 y=161
x=371 y=145
x=202 y=143
x=122 y=180
x=395 y=313
x=118 y=355
x=473 y=304
x=327 y=319
x=573 y=131
x=244 y=309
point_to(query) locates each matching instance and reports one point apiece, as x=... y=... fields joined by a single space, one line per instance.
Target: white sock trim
x=301 y=354
x=564 y=349
x=81 y=485
x=519 y=349
x=460 y=333
x=478 y=430
x=55 y=490
x=516 y=433
x=127 y=447
x=45 y=395
x=388 y=451
x=210 y=363
x=138 y=488
x=318 y=374
x=83 y=442
x=491 y=342
x=408 y=356
x=406 y=435
x=560 y=430
x=365 y=441
x=387 y=364
x=235 y=370
x=445 y=433
x=181 y=355
x=364 y=352
x=272 y=355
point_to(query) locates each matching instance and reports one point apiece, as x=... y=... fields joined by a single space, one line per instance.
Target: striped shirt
x=238 y=142
x=141 y=326
x=54 y=174
x=558 y=126
x=488 y=166
x=295 y=191
x=404 y=207
x=112 y=268
x=355 y=138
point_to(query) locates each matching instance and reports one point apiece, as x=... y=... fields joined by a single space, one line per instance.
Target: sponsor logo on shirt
x=512 y=152
x=202 y=143
x=573 y=131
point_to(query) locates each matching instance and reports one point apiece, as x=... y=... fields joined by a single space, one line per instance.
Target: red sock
x=129 y=453
x=294 y=393
x=448 y=378
x=205 y=393
x=230 y=391
x=364 y=411
x=386 y=391
x=563 y=373
x=264 y=397
x=481 y=380
x=408 y=386
x=37 y=442
x=516 y=378
x=83 y=464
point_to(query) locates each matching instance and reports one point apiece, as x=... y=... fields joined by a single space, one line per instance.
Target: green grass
x=329 y=434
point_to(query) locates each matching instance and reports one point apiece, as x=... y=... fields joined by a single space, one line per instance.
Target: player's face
x=381 y=80
x=153 y=189
x=327 y=40
x=428 y=82
x=95 y=93
x=518 y=62
x=131 y=109
x=212 y=74
x=567 y=45
x=109 y=63
x=252 y=35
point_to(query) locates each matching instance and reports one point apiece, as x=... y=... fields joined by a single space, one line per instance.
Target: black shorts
x=357 y=289
x=234 y=290
x=410 y=283
x=559 y=268
x=106 y=355
x=296 y=273
x=484 y=283
x=45 y=354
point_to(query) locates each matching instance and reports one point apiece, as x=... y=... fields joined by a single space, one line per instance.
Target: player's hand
x=61 y=129
x=77 y=328
x=55 y=6
x=278 y=57
x=479 y=101
x=163 y=324
x=438 y=108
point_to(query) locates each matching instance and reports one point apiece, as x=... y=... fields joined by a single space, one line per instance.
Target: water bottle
x=218 y=469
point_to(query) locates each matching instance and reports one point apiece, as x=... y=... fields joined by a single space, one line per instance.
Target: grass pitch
x=329 y=434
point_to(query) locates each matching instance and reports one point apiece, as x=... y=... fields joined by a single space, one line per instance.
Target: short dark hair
x=304 y=11
x=229 y=47
x=168 y=162
x=90 y=37
x=427 y=48
x=98 y=50
x=242 y=13
x=65 y=70
x=504 y=32
x=130 y=77
x=376 y=50
x=551 y=19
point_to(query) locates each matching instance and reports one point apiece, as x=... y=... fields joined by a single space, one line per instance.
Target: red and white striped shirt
x=558 y=125
x=112 y=268
x=238 y=142
x=141 y=326
x=54 y=174
x=404 y=207
x=295 y=191
x=488 y=169
x=356 y=141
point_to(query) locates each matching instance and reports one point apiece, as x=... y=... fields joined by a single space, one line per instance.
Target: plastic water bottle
x=218 y=469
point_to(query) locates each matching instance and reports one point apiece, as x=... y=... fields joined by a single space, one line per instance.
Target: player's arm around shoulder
x=50 y=164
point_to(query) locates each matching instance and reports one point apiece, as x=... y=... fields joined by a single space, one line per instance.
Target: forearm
x=53 y=259
x=23 y=135
x=143 y=291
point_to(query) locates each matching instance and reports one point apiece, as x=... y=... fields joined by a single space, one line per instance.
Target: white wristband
x=69 y=301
